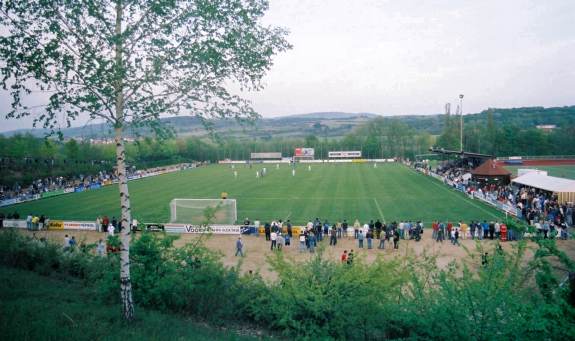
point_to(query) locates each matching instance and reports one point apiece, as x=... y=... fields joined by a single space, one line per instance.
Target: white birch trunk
x=125 y=282
x=126 y=219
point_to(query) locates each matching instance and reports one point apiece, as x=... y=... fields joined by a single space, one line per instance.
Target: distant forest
x=500 y=132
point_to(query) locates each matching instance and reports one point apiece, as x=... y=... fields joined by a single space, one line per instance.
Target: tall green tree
x=129 y=61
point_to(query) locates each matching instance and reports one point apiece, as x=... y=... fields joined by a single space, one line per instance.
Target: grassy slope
x=33 y=307
x=560 y=171
x=344 y=191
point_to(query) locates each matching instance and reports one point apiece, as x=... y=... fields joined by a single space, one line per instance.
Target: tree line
x=500 y=137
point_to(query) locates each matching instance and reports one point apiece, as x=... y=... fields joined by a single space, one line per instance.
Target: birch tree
x=130 y=61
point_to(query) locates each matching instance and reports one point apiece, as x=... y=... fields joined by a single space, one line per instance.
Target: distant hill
x=326 y=124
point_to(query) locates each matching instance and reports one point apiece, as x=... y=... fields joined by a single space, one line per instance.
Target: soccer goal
x=203 y=211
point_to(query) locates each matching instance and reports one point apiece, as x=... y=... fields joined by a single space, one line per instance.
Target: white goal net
x=203 y=211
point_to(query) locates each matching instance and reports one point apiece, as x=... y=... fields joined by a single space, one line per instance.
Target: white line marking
x=378 y=208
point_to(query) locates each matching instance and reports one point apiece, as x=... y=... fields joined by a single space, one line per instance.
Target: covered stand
x=489 y=172
x=563 y=188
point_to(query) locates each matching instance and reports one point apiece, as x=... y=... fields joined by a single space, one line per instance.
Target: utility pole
x=461 y=123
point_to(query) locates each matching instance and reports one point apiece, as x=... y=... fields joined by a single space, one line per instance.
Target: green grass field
x=335 y=191
x=560 y=171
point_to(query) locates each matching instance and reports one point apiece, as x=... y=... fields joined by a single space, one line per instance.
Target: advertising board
x=304 y=152
x=345 y=154
x=19 y=224
x=259 y=156
x=55 y=225
x=80 y=225
x=199 y=229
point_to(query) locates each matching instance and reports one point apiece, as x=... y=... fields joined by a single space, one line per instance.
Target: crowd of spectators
x=537 y=207
x=50 y=184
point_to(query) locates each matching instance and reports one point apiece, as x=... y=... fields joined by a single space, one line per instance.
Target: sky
x=398 y=57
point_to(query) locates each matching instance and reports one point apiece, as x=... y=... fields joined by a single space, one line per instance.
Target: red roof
x=490 y=168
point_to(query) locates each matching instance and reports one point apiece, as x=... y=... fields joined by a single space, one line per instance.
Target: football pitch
x=331 y=191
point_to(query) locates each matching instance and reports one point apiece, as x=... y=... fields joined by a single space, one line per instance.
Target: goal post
x=203 y=211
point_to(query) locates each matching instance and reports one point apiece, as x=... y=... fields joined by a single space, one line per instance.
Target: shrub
x=408 y=297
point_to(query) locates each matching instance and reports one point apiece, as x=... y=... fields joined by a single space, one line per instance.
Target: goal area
x=203 y=211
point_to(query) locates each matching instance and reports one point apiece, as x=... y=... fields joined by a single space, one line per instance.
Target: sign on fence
x=345 y=154
x=80 y=225
x=19 y=224
x=199 y=229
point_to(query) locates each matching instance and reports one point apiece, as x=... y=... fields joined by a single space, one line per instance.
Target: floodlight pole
x=461 y=123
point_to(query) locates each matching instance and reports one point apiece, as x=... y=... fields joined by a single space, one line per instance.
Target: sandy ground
x=256 y=248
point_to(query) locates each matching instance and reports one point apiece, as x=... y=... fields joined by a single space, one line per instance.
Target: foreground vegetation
x=35 y=307
x=342 y=191
x=509 y=298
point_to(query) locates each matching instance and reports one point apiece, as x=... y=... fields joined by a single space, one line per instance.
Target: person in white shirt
x=110 y=230
x=293 y=172
x=66 y=242
x=274 y=238
x=301 y=242
x=309 y=226
x=401 y=227
x=100 y=248
x=365 y=229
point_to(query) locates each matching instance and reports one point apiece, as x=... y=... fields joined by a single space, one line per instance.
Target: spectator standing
x=110 y=230
x=239 y=247
x=440 y=232
x=66 y=242
x=73 y=243
x=28 y=222
x=105 y=223
x=356 y=227
x=369 y=237
x=274 y=238
x=396 y=239
x=382 y=237
x=333 y=237
x=360 y=239
x=35 y=222
x=289 y=230
x=281 y=241
x=100 y=248
x=302 y=242
x=267 y=231
x=491 y=230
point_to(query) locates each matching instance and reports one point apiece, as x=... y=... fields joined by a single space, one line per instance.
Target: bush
x=409 y=297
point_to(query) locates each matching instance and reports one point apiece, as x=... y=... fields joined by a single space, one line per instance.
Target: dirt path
x=257 y=249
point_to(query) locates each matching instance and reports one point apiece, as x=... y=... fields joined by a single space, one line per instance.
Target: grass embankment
x=34 y=307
